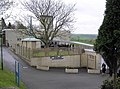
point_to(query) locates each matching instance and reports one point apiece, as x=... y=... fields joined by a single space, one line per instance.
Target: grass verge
x=7 y=79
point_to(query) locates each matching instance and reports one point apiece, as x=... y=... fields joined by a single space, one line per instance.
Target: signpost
x=1 y=34
x=17 y=73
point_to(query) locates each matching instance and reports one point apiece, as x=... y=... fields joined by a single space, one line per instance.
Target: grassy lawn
x=7 y=79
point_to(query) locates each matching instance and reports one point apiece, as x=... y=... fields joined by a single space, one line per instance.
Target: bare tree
x=54 y=17
x=5 y=5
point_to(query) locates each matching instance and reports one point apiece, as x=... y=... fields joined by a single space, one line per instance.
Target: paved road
x=53 y=79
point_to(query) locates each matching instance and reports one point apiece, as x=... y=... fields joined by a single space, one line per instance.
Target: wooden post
x=95 y=62
x=87 y=61
x=80 y=60
x=26 y=52
x=20 y=50
x=29 y=53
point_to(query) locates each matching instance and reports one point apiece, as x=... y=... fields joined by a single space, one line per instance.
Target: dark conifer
x=108 y=40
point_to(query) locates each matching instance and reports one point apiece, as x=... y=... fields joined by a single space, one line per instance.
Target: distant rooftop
x=65 y=41
x=80 y=43
x=75 y=42
x=30 y=39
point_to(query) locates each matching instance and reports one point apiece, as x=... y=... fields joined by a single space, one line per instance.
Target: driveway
x=54 y=78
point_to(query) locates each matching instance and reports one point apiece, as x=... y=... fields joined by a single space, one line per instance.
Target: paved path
x=53 y=79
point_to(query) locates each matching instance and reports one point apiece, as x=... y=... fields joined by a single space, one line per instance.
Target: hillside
x=85 y=38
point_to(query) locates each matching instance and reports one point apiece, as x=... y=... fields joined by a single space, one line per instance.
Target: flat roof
x=75 y=42
x=81 y=43
x=30 y=39
x=89 y=50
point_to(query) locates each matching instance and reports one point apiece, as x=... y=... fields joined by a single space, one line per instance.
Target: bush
x=108 y=84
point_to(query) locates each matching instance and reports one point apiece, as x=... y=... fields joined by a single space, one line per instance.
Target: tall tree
x=10 y=26
x=4 y=6
x=3 y=23
x=53 y=16
x=108 y=40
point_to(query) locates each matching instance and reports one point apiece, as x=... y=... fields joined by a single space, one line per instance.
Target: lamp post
x=1 y=34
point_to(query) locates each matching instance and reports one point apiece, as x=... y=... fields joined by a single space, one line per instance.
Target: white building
x=14 y=36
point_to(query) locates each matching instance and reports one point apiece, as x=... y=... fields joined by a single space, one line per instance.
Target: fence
x=71 y=57
x=27 y=53
x=23 y=52
x=54 y=51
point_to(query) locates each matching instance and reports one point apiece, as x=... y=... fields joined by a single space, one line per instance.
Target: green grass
x=64 y=53
x=39 y=54
x=52 y=53
x=7 y=79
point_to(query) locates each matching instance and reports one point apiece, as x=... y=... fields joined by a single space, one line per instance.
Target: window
x=18 y=39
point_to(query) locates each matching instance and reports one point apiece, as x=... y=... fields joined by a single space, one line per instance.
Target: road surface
x=53 y=79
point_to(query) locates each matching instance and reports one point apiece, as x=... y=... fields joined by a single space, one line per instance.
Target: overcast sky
x=88 y=15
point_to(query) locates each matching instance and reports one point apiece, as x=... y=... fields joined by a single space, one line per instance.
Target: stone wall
x=72 y=61
x=88 y=59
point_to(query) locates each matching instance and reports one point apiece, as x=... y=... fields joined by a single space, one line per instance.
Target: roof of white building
x=66 y=41
x=89 y=50
x=80 y=43
x=30 y=39
x=74 y=42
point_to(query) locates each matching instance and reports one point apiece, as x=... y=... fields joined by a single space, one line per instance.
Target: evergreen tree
x=108 y=40
x=3 y=23
x=9 y=25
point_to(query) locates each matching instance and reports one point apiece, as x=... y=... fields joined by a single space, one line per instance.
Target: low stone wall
x=67 y=70
x=89 y=59
x=93 y=71
x=42 y=67
x=67 y=61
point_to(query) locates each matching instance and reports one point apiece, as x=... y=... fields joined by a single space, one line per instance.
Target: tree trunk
x=114 y=81
x=57 y=51
x=46 y=50
x=115 y=75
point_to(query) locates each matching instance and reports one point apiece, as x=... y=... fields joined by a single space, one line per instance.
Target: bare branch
x=54 y=16
x=5 y=5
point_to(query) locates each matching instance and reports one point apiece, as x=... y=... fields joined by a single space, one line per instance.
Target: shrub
x=108 y=84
